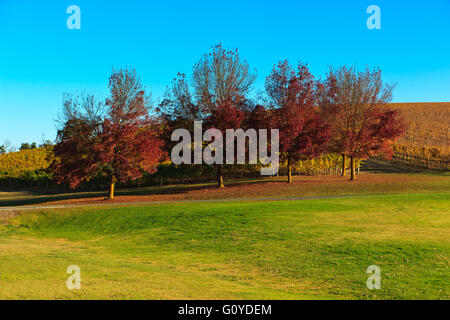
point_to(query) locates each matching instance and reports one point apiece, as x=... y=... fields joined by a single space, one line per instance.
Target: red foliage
x=126 y=150
x=354 y=106
x=385 y=129
x=258 y=118
x=293 y=94
x=376 y=137
x=122 y=145
x=225 y=117
x=75 y=160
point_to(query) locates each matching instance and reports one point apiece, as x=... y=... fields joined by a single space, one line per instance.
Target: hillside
x=427 y=138
x=428 y=124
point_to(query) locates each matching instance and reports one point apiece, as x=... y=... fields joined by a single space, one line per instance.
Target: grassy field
x=310 y=249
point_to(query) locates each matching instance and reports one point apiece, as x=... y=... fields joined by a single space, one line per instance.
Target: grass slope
x=311 y=249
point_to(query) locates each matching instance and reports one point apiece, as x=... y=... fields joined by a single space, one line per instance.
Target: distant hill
x=428 y=130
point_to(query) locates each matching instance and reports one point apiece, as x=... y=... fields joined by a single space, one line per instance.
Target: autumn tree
x=116 y=138
x=75 y=160
x=222 y=82
x=292 y=96
x=355 y=106
x=178 y=109
x=259 y=117
x=79 y=125
x=218 y=95
x=178 y=103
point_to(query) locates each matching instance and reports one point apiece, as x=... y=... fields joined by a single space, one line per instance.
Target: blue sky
x=40 y=58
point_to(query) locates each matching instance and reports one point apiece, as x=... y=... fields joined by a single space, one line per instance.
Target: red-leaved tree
x=222 y=81
x=355 y=106
x=292 y=95
x=118 y=139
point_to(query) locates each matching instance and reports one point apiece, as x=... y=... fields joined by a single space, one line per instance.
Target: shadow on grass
x=379 y=165
x=23 y=197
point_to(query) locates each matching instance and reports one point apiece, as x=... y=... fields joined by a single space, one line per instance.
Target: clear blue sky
x=40 y=58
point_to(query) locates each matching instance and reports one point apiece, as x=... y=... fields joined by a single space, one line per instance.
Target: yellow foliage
x=15 y=164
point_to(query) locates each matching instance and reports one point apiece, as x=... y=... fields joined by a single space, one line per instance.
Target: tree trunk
x=352 y=168
x=289 y=170
x=344 y=165
x=111 y=188
x=219 y=177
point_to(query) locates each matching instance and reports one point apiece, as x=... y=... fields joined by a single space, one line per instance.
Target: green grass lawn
x=313 y=249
